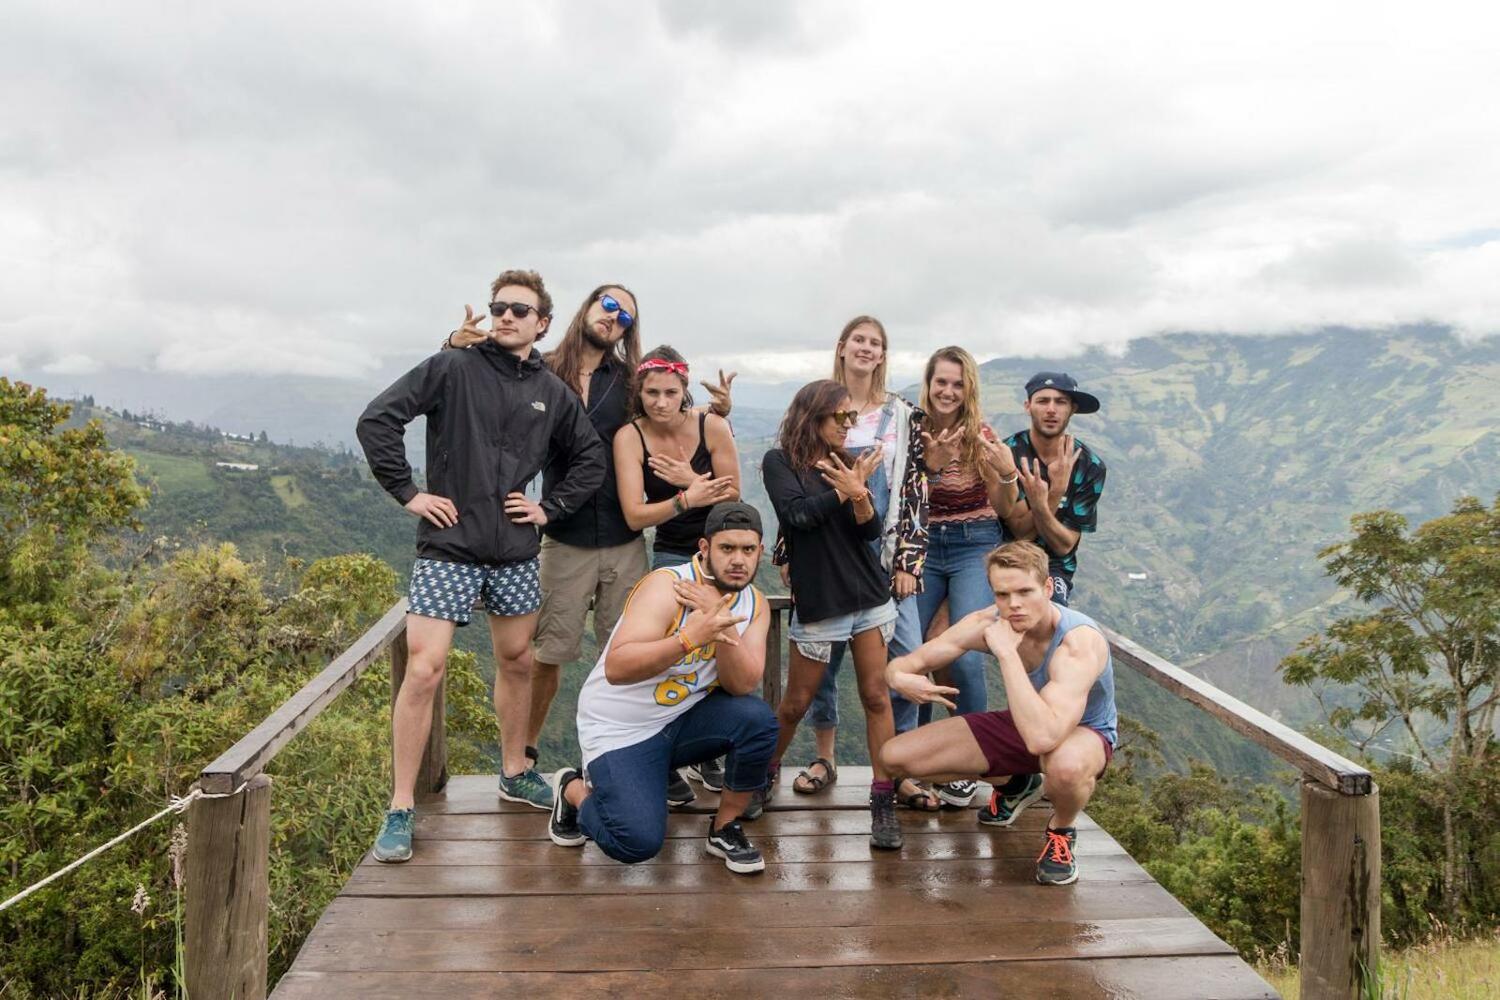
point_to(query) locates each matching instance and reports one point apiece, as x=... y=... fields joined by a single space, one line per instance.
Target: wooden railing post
x=227 y=887
x=1340 y=891
x=770 y=685
x=433 y=775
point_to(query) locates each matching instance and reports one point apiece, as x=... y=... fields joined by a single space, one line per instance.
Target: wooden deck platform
x=489 y=907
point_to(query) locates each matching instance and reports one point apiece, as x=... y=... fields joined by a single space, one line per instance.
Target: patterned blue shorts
x=447 y=590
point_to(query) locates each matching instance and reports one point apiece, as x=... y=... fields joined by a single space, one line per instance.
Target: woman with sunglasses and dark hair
x=671 y=463
x=899 y=487
x=839 y=589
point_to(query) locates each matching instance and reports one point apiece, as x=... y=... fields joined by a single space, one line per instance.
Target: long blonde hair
x=877 y=377
x=971 y=414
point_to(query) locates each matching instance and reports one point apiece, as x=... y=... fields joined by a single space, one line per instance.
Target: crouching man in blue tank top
x=675 y=686
x=1058 y=734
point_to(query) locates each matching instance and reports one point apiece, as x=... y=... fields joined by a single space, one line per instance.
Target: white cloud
x=320 y=189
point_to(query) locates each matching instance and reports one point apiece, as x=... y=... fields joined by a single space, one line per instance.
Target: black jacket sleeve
x=573 y=435
x=793 y=504
x=382 y=427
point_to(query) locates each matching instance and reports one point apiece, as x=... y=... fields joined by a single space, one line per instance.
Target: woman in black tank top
x=671 y=468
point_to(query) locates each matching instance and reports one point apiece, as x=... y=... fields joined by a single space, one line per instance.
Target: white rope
x=174 y=805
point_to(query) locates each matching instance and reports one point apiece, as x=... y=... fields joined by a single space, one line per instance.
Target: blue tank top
x=1099 y=710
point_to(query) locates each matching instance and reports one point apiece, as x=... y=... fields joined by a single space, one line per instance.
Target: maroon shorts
x=1004 y=748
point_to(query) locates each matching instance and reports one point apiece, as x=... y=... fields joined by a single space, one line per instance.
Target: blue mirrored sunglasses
x=621 y=316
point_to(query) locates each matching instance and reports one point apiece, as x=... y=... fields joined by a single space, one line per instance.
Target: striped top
x=957 y=494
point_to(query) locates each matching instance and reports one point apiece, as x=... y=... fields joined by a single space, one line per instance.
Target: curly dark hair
x=800 y=436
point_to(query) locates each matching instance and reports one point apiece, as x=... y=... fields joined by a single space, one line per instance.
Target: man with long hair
x=676 y=685
x=1059 y=681
x=493 y=415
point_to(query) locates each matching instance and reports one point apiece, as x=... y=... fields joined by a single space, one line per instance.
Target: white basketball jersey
x=611 y=716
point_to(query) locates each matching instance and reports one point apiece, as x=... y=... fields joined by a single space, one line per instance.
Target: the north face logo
x=539 y=406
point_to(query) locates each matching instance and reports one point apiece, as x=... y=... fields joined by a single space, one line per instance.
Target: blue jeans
x=660 y=559
x=626 y=814
x=955 y=570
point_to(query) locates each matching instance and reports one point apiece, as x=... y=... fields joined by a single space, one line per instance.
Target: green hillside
x=1232 y=461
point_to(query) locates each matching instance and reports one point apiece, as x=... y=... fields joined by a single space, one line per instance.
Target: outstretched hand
x=920 y=689
x=850 y=480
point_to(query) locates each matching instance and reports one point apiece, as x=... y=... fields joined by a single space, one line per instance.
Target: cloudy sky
x=319 y=188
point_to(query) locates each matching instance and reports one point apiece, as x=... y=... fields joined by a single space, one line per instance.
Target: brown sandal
x=923 y=794
x=807 y=783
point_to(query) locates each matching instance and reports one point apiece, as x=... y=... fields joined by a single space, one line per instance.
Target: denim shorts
x=447 y=590
x=815 y=639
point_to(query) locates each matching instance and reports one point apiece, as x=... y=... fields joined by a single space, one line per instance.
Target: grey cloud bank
x=317 y=190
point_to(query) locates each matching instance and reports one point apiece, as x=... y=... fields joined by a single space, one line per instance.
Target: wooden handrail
x=250 y=755
x=1310 y=757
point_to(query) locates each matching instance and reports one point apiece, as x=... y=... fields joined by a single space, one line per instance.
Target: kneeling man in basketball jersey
x=675 y=686
x=1058 y=734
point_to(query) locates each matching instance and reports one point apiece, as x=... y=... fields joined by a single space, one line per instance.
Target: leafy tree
x=1422 y=663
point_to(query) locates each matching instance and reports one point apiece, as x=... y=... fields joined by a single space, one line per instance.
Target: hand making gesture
x=470 y=333
x=719 y=394
x=940 y=450
x=849 y=480
x=996 y=454
x=676 y=471
x=704 y=626
x=920 y=689
x=705 y=491
x=1001 y=637
x=1060 y=469
x=704 y=597
x=1034 y=484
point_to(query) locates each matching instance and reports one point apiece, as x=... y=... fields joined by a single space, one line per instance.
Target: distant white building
x=238 y=466
x=1137 y=577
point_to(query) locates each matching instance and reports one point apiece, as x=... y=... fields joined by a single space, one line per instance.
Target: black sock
x=1016 y=785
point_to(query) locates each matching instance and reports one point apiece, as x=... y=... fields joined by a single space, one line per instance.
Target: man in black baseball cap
x=676 y=685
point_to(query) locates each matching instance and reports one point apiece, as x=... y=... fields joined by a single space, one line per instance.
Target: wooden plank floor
x=489 y=907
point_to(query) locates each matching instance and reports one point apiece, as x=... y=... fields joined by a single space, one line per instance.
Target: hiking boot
x=957 y=794
x=885 y=829
x=731 y=844
x=1007 y=801
x=709 y=774
x=563 y=826
x=528 y=788
x=1055 y=865
x=393 y=845
x=679 y=792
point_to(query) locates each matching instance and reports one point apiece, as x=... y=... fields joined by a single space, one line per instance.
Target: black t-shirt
x=599 y=523
x=679 y=535
x=834 y=568
x=1078 y=509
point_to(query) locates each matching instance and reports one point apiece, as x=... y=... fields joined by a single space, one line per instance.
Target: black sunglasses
x=611 y=305
x=519 y=310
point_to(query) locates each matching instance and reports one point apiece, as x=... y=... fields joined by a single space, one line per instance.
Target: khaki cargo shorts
x=573 y=578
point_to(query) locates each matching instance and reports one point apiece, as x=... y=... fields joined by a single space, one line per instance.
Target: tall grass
x=1444 y=968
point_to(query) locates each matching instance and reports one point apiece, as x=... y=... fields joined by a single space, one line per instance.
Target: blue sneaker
x=394 y=843
x=528 y=788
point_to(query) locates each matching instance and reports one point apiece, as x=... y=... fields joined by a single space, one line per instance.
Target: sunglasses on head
x=519 y=310
x=612 y=305
x=846 y=417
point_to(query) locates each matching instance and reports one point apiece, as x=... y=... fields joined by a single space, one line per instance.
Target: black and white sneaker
x=957 y=794
x=563 y=826
x=679 y=792
x=731 y=844
x=709 y=774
